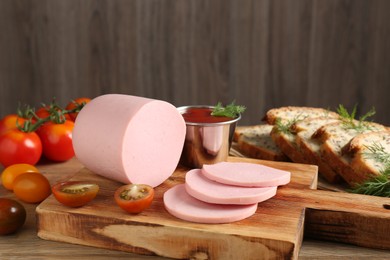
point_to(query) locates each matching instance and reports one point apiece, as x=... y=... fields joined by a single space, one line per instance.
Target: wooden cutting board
x=275 y=231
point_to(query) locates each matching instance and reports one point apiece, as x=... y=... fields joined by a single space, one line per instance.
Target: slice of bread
x=255 y=142
x=334 y=138
x=284 y=133
x=370 y=153
x=310 y=147
x=295 y=113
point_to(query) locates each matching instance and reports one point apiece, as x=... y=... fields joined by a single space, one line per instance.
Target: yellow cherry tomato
x=11 y=172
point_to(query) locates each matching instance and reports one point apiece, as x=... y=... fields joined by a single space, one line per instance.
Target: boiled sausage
x=204 y=189
x=246 y=174
x=181 y=205
x=129 y=139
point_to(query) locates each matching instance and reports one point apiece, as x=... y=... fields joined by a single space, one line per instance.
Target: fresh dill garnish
x=231 y=110
x=378 y=185
x=349 y=120
x=285 y=126
x=377 y=153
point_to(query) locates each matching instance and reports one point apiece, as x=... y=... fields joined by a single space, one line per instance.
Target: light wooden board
x=275 y=231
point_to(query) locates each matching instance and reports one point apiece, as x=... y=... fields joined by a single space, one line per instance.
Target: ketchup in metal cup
x=203 y=115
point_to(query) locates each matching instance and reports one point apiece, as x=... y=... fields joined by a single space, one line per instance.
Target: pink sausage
x=129 y=139
x=181 y=205
x=204 y=189
x=246 y=174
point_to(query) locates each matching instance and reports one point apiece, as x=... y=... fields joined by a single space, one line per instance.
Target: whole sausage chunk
x=246 y=174
x=204 y=189
x=129 y=139
x=181 y=205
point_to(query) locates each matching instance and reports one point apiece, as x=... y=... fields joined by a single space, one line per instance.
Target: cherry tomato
x=74 y=104
x=31 y=187
x=10 y=122
x=19 y=147
x=12 y=216
x=75 y=193
x=134 y=198
x=43 y=112
x=11 y=172
x=57 y=140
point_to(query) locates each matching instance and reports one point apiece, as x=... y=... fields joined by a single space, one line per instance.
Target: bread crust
x=334 y=139
x=310 y=147
x=296 y=113
x=255 y=142
x=362 y=149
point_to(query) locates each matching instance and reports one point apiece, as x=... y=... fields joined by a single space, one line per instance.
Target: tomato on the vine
x=11 y=172
x=134 y=198
x=44 y=112
x=32 y=187
x=12 y=216
x=9 y=122
x=75 y=193
x=57 y=140
x=19 y=147
x=77 y=102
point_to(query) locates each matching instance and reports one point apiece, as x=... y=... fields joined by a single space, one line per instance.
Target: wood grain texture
x=26 y=244
x=261 y=53
x=275 y=231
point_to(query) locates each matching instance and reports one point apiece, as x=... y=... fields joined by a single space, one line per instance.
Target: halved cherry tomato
x=10 y=122
x=11 y=172
x=32 y=187
x=134 y=198
x=19 y=147
x=12 y=216
x=77 y=102
x=75 y=193
x=57 y=140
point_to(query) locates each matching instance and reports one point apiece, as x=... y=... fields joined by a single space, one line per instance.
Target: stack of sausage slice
x=223 y=192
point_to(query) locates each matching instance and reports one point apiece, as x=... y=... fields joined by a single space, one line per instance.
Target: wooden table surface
x=26 y=244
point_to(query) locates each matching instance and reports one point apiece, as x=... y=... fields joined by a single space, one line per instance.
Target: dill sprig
x=231 y=110
x=377 y=153
x=378 y=185
x=285 y=126
x=349 y=119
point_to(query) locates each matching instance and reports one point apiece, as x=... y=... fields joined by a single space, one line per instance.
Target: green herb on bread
x=349 y=121
x=378 y=185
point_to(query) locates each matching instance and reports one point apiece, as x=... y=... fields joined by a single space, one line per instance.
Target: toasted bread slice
x=334 y=138
x=370 y=153
x=256 y=142
x=310 y=147
x=295 y=113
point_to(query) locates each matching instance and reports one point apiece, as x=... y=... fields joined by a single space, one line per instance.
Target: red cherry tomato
x=77 y=102
x=43 y=112
x=12 y=216
x=10 y=122
x=134 y=198
x=19 y=147
x=75 y=193
x=31 y=187
x=11 y=172
x=57 y=140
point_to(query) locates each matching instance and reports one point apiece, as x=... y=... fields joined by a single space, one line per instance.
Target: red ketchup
x=203 y=115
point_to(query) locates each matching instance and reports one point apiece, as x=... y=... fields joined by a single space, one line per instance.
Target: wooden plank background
x=261 y=53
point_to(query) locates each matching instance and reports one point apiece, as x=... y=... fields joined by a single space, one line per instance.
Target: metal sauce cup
x=206 y=143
